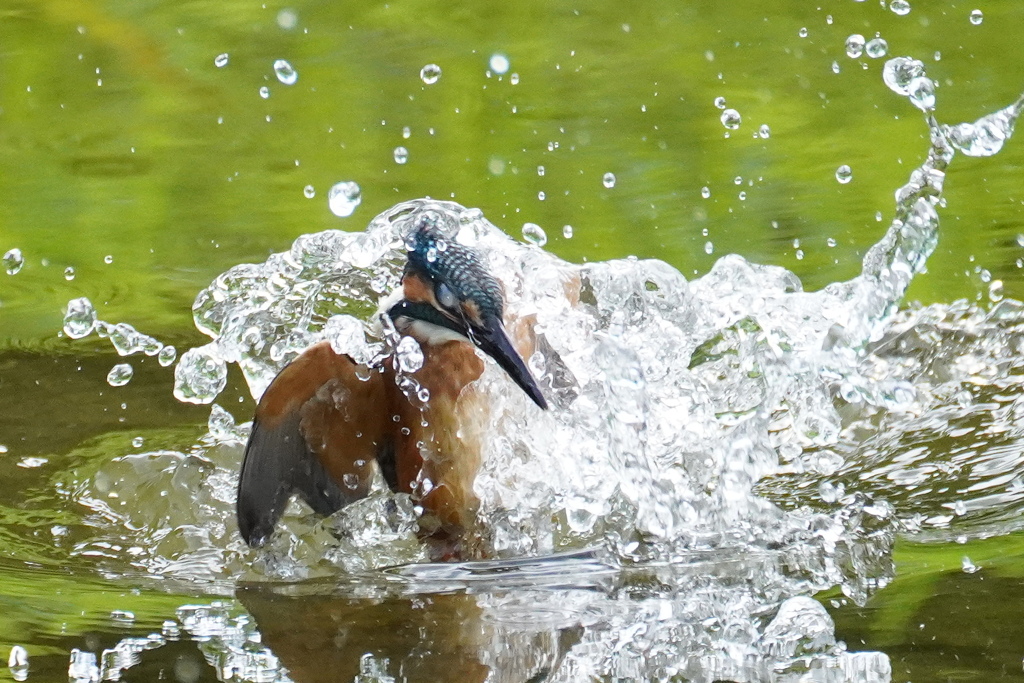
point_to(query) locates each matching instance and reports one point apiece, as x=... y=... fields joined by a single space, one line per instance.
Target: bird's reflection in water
x=430 y=638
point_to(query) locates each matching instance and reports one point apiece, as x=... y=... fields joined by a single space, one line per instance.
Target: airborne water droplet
x=120 y=375
x=80 y=318
x=166 y=355
x=900 y=7
x=285 y=72
x=200 y=375
x=221 y=60
x=534 y=234
x=409 y=355
x=765 y=131
x=854 y=46
x=898 y=73
x=309 y=191
x=608 y=180
x=401 y=155
x=69 y=273
x=567 y=231
x=720 y=102
x=922 y=93
x=705 y=192
x=499 y=63
x=731 y=119
x=264 y=92
x=977 y=16
x=13 y=261
x=343 y=198
x=844 y=174
x=430 y=73
x=877 y=48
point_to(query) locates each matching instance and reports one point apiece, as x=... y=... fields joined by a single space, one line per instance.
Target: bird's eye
x=445 y=296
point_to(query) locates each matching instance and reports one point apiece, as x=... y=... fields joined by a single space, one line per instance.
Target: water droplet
x=409 y=355
x=499 y=63
x=200 y=375
x=309 y=191
x=898 y=72
x=968 y=566
x=720 y=102
x=17 y=662
x=69 y=273
x=995 y=291
x=877 y=48
x=82 y=666
x=534 y=234
x=977 y=16
x=108 y=259
x=285 y=72
x=120 y=375
x=709 y=248
x=264 y=92
x=854 y=46
x=705 y=192
x=922 y=93
x=430 y=73
x=13 y=261
x=166 y=355
x=137 y=442
x=343 y=198
x=287 y=19
x=221 y=60
x=844 y=174
x=802 y=32
x=731 y=119
x=80 y=318
x=764 y=131
x=567 y=231
x=401 y=155
x=122 y=616
x=540 y=171
x=406 y=132
x=742 y=196
x=541 y=195
x=608 y=180
x=900 y=7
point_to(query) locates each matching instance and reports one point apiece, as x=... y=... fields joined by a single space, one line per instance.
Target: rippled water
x=718 y=450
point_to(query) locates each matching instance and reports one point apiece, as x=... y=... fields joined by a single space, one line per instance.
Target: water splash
x=680 y=411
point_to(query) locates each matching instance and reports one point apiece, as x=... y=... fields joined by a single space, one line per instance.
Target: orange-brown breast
x=442 y=439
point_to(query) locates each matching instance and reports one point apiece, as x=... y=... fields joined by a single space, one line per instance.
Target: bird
x=326 y=422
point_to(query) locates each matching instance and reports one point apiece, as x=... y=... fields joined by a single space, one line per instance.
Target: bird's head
x=448 y=294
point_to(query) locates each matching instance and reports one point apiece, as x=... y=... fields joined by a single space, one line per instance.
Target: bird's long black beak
x=492 y=340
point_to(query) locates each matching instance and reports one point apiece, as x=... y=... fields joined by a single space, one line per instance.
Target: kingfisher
x=326 y=422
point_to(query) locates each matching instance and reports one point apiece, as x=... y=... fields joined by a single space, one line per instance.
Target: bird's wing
x=317 y=432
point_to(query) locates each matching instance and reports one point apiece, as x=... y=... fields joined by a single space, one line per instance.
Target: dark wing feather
x=316 y=433
x=277 y=463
